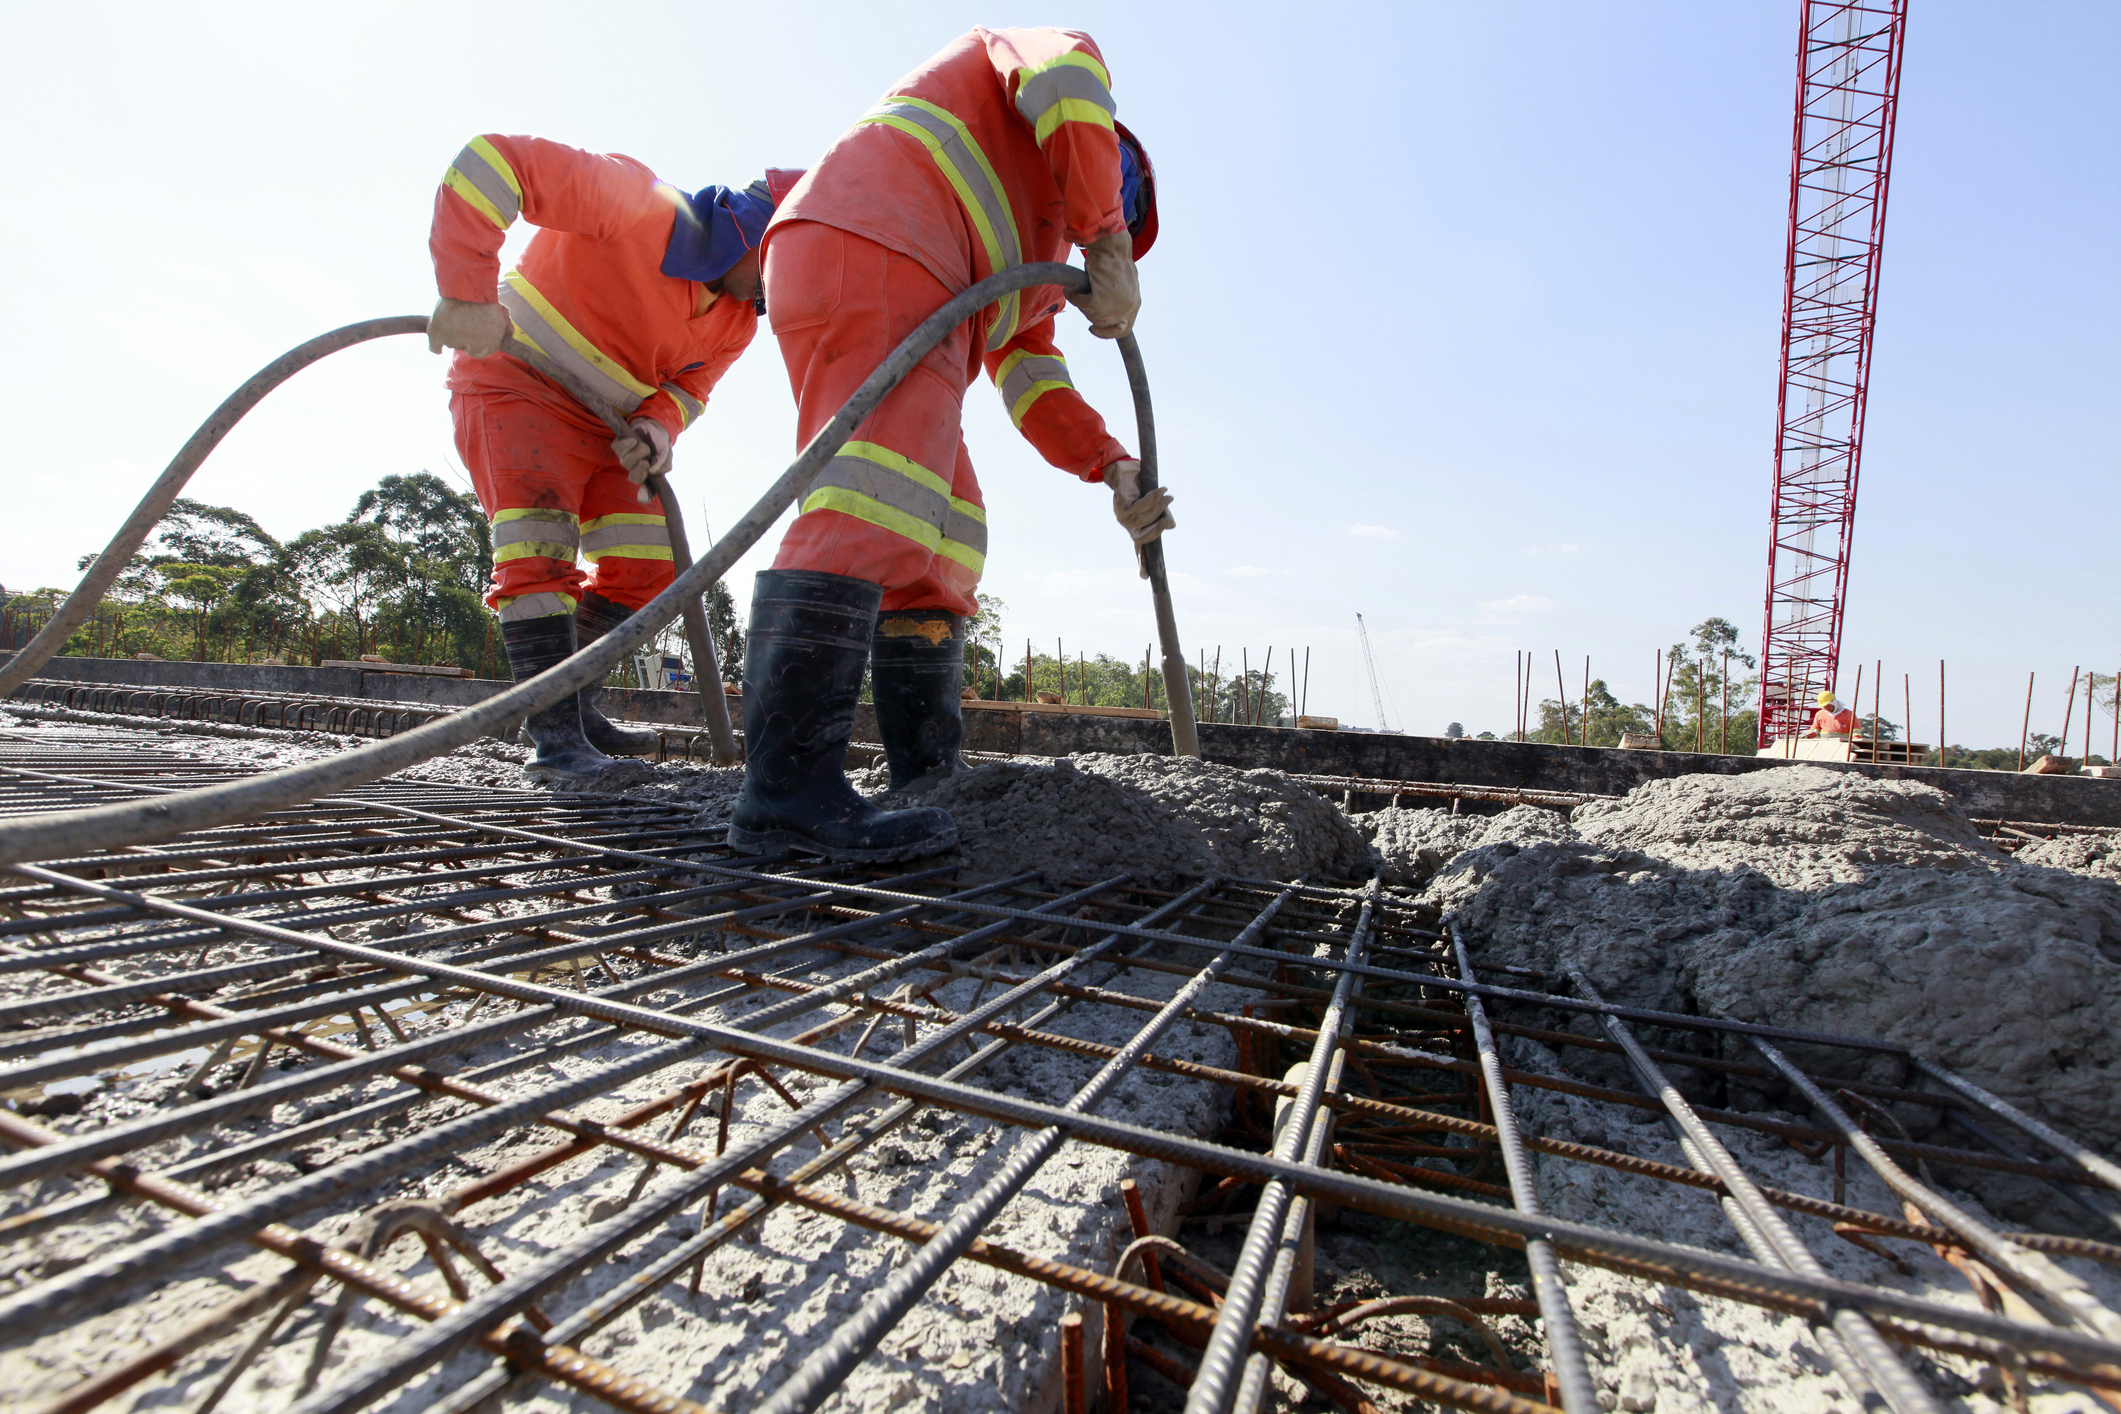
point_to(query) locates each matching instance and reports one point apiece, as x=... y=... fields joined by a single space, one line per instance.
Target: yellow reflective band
x=966 y=508
x=623 y=518
x=628 y=552
x=891 y=461
x=1070 y=110
x=868 y=508
x=1021 y=408
x=545 y=604
x=965 y=555
x=999 y=257
x=1074 y=58
x=507 y=173
x=534 y=513
x=595 y=356
x=460 y=184
x=540 y=549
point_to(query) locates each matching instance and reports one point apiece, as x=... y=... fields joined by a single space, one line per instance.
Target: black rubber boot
x=802 y=676
x=564 y=755
x=595 y=616
x=917 y=677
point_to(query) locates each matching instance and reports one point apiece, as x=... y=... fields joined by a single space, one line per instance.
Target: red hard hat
x=1142 y=229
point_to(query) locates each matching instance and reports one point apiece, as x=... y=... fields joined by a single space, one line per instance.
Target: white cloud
x=1518 y=604
x=1248 y=572
x=1360 y=531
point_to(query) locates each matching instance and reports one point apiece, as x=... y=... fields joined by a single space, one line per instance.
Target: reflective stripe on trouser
x=552 y=489
x=534 y=606
x=899 y=506
x=979 y=191
x=1023 y=378
x=545 y=329
x=628 y=533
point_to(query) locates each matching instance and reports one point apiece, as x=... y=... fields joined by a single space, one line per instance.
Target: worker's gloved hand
x=1145 y=516
x=468 y=325
x=1115 y=290
x=644 y=451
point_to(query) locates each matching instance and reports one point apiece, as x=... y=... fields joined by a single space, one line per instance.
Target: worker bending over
x=998 y=151
x=1827 y=722
x=644 y=294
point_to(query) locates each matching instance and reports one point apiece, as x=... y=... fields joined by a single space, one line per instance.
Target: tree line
x=402 y=577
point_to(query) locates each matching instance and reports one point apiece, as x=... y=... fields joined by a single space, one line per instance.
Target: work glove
x=1115 y=291
x=1146 y=517
x=476 y=328
x=643 y=451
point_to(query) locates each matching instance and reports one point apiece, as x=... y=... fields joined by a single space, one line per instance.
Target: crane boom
x=1370 y=663
x=1848 y=88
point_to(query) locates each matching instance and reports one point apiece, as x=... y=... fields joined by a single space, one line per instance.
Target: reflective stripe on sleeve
x=535 y=530
x=1024 y=377
x=876 y=484
x=978 y=189
x=545 y=329
x=535 y=606
x=1071 y=88
x=631 y=535
x=689 y=407
x=482 y=176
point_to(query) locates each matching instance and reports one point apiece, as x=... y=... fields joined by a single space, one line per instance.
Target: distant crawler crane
x=1848 y=88
x=1376 y=699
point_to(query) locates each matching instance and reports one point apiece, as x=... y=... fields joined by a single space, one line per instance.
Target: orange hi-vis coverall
x=998 y=151
x=591 y=296
x=1827 y=722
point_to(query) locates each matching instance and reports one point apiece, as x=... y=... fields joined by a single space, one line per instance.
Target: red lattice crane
x=1848 y=89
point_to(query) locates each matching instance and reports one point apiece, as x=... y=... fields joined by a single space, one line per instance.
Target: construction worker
x=1827 y=722
x=1000 y=150
x=646 y=295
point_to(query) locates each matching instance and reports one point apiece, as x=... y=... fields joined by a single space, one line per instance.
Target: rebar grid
x=373 y=944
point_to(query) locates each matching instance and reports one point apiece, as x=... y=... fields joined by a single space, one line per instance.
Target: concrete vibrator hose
x=72 y=832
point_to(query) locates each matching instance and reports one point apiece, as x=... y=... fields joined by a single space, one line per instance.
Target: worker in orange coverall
x=1827 y=722
x=1000 y=150
x=645 y=294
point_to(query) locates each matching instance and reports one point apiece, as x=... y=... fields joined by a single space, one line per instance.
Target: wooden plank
x=368 y=667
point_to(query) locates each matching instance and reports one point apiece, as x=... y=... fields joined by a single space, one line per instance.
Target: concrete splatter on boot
x=916 y=678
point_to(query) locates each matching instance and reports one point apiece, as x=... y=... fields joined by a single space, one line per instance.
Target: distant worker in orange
x=999 y=151
x=1827 y=722
x=646 y=294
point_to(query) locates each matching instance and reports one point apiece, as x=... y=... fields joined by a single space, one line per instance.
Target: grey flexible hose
x=61 y=834
x=156 y=503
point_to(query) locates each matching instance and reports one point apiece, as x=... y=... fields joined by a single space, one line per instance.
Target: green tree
x=198 y=588
x=1702 y=685
x=1609 y=719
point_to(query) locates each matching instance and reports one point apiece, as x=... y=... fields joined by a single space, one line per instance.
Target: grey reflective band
x=1028 y=373
x=966 y=531
x=687 y=404
x=1041 y=91
x=966 y=168
x=606 y=538
x=472 y=166
x=882 y=484
x=536 y=606
x=534 y=328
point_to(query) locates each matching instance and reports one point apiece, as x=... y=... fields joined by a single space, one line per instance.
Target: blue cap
x=715 y=228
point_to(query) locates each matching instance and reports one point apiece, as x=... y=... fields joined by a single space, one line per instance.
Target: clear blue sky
x=1463 y=316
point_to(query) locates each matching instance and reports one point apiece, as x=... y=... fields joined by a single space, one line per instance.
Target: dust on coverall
x=998 y=151
x=590 y=295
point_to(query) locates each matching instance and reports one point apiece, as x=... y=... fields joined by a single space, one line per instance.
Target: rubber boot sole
x=623 y=742
x=773 y=841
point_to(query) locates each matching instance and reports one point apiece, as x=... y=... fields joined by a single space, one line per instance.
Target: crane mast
x=1848 y=86
x=1376 y=698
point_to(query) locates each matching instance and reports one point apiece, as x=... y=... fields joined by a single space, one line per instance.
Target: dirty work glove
x=1115 y=292
x=644 y=451
x=476 y=328
x=1146 y=517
